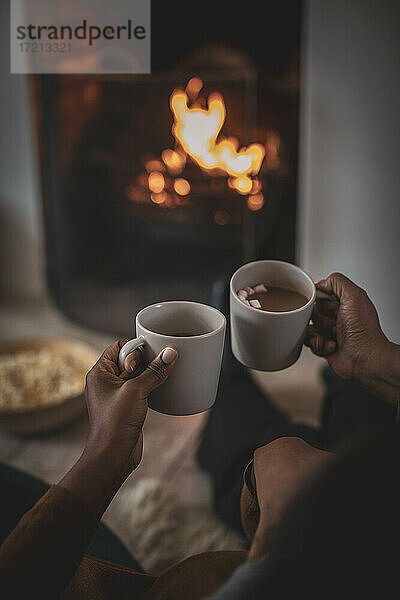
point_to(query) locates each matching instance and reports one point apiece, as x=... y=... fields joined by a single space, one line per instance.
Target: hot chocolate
x=277 y=299
x=272 y=298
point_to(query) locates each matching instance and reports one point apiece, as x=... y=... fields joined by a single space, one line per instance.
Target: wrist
x=380 y=372
x=371 y=361
x=96 y=477
x=390 y=368
x=113 y=450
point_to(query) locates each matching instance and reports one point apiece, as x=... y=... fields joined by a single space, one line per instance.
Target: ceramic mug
x=263 y=340
x=197 y=331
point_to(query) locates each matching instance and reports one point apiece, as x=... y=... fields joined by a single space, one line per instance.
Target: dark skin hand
x=117 y=408
x=348 y=334
x=346 y=331
x=280 y=469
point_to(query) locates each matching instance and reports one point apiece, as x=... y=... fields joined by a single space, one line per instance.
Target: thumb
x=158 y=370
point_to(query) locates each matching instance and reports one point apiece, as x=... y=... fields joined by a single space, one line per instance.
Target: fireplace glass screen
x=131 y=218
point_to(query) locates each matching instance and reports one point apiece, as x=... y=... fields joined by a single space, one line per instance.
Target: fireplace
x=130 y=217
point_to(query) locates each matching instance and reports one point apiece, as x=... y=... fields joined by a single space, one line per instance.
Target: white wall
x=349 y=180
x=21 y=258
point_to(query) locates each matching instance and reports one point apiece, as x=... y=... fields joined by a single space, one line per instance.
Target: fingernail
x=169 y=355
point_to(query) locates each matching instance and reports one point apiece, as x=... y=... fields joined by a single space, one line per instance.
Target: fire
x=175 y=161
x=197 y=130
x=197 y=127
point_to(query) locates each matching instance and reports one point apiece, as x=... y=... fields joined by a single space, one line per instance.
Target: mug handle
x=128 y=348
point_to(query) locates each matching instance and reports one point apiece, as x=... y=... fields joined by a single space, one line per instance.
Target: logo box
x=80 y=36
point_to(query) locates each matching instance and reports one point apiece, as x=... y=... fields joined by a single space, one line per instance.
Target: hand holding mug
x=117 y=407
x=347 y=331
x=117 y=402
x=348 y=334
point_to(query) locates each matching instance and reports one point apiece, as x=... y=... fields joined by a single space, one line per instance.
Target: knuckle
x=335 y=275
x=338 y=277
x=157 y=369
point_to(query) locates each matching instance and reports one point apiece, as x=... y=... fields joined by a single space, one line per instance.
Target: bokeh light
x=156 y=182
x=221 y=217
x=182 y=186
x=255 y=202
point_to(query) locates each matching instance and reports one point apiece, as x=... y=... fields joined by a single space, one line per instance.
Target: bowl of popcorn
x=42 y=383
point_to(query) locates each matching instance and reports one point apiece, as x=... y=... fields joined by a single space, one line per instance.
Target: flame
x=175 y=161
x=197 y=130
x=193 y=87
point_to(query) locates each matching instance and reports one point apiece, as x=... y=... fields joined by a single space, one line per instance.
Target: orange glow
x=255 y=202
x=136 y=194
x=242 y=184
x=197 y=130
x=193 y=87
x=156 y=182
x=142 y=180
x=182 y=186
x=171 y=201
x=154 y=165
x=256 y=187
x=272 y=146
x=159 y=198
x=221 y=217
x=175 y=161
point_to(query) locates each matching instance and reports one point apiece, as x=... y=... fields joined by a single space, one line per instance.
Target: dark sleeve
x=41 y=554
x=246 y=582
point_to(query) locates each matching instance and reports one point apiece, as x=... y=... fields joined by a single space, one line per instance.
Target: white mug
x=197 y=331
x=263 y=340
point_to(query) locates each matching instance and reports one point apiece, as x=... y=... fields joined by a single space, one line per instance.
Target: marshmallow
x=249 y=290
x=242 y=294
x=254 y=303
x=260 y=288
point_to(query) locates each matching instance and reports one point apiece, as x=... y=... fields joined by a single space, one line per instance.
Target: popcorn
x=255 y=303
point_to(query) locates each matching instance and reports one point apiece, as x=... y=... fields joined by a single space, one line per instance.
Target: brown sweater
x=44 y=558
